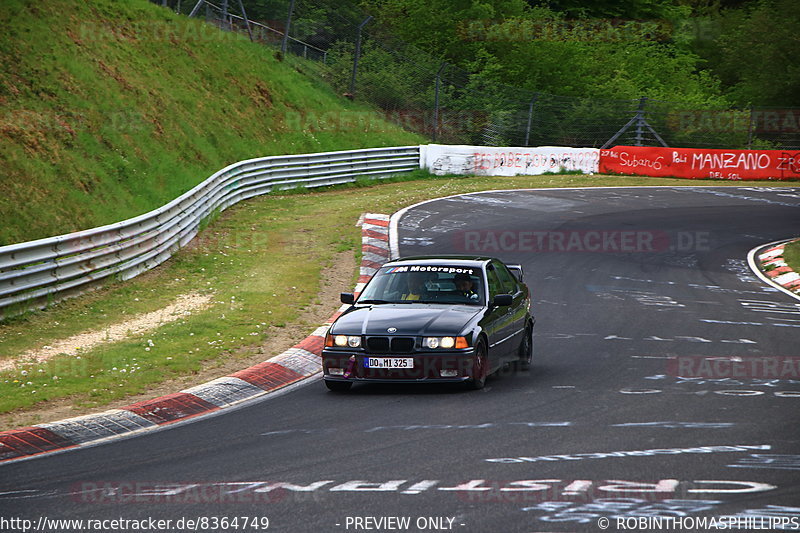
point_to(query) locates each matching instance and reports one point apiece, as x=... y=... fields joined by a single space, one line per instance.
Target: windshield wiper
x=449 y=302
x=377 y=301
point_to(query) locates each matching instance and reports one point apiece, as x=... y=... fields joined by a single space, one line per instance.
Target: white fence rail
x=35 y=273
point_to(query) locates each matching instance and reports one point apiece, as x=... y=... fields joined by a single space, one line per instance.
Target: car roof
x=456 y=260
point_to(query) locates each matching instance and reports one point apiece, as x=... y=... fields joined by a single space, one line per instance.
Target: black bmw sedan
x=432 y=319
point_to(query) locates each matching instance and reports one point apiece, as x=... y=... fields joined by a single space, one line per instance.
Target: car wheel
x=526 y=350
x=338 y=386
x=480 y=368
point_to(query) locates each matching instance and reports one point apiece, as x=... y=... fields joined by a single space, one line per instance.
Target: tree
x=754 y=51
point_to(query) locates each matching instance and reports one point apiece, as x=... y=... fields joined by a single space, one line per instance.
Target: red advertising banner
x=695 y=163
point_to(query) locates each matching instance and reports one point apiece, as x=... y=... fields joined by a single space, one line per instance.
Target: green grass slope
x=791 y=254
x=109 y=109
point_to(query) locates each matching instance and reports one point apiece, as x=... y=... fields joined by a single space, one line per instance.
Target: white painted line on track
x=394 y=220
x=267 y=395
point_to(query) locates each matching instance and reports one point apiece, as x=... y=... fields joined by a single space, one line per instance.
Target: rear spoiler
x=517 y=271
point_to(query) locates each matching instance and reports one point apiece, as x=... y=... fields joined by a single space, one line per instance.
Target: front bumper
x=428 y=367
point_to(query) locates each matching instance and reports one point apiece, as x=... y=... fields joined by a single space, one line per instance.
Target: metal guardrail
x=36 y=273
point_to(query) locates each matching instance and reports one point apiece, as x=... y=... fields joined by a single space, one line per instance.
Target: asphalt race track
x=665 y=385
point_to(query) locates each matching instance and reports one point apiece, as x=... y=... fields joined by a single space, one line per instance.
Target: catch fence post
x=640 y=122
x=357 y=56
x=246 y=21
x=436 y=101
x=285 y=41
x=530 y=119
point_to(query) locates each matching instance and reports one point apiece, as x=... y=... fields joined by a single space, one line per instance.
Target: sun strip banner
x=696 y=163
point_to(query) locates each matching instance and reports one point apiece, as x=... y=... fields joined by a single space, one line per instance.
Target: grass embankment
x=791 y=254
x=110 y=109
x=262 y=260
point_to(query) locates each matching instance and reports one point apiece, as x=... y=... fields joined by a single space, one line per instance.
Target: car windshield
x=447 y=284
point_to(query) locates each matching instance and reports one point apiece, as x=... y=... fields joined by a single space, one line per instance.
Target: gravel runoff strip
x=296 y=364
x=768 y=263
x=75 y=345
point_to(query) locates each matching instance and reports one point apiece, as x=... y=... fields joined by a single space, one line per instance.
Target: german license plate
x=388 y=362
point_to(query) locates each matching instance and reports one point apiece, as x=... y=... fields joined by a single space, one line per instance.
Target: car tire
x=338 y=386
x=480 y=368
x=526 y=350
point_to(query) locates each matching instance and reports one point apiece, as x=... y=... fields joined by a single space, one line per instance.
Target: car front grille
x=390 y=344
x=403 y=344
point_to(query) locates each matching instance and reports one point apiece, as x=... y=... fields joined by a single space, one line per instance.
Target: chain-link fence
x=364 y=61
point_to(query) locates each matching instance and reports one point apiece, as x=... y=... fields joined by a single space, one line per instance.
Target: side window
x=495 y=287
x=506 y=278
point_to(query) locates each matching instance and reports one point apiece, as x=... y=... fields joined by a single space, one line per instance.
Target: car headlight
x=446 y=343
x=353 y=341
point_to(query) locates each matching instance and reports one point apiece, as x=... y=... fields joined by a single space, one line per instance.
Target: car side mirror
x=347 y=298
x=503 y=300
